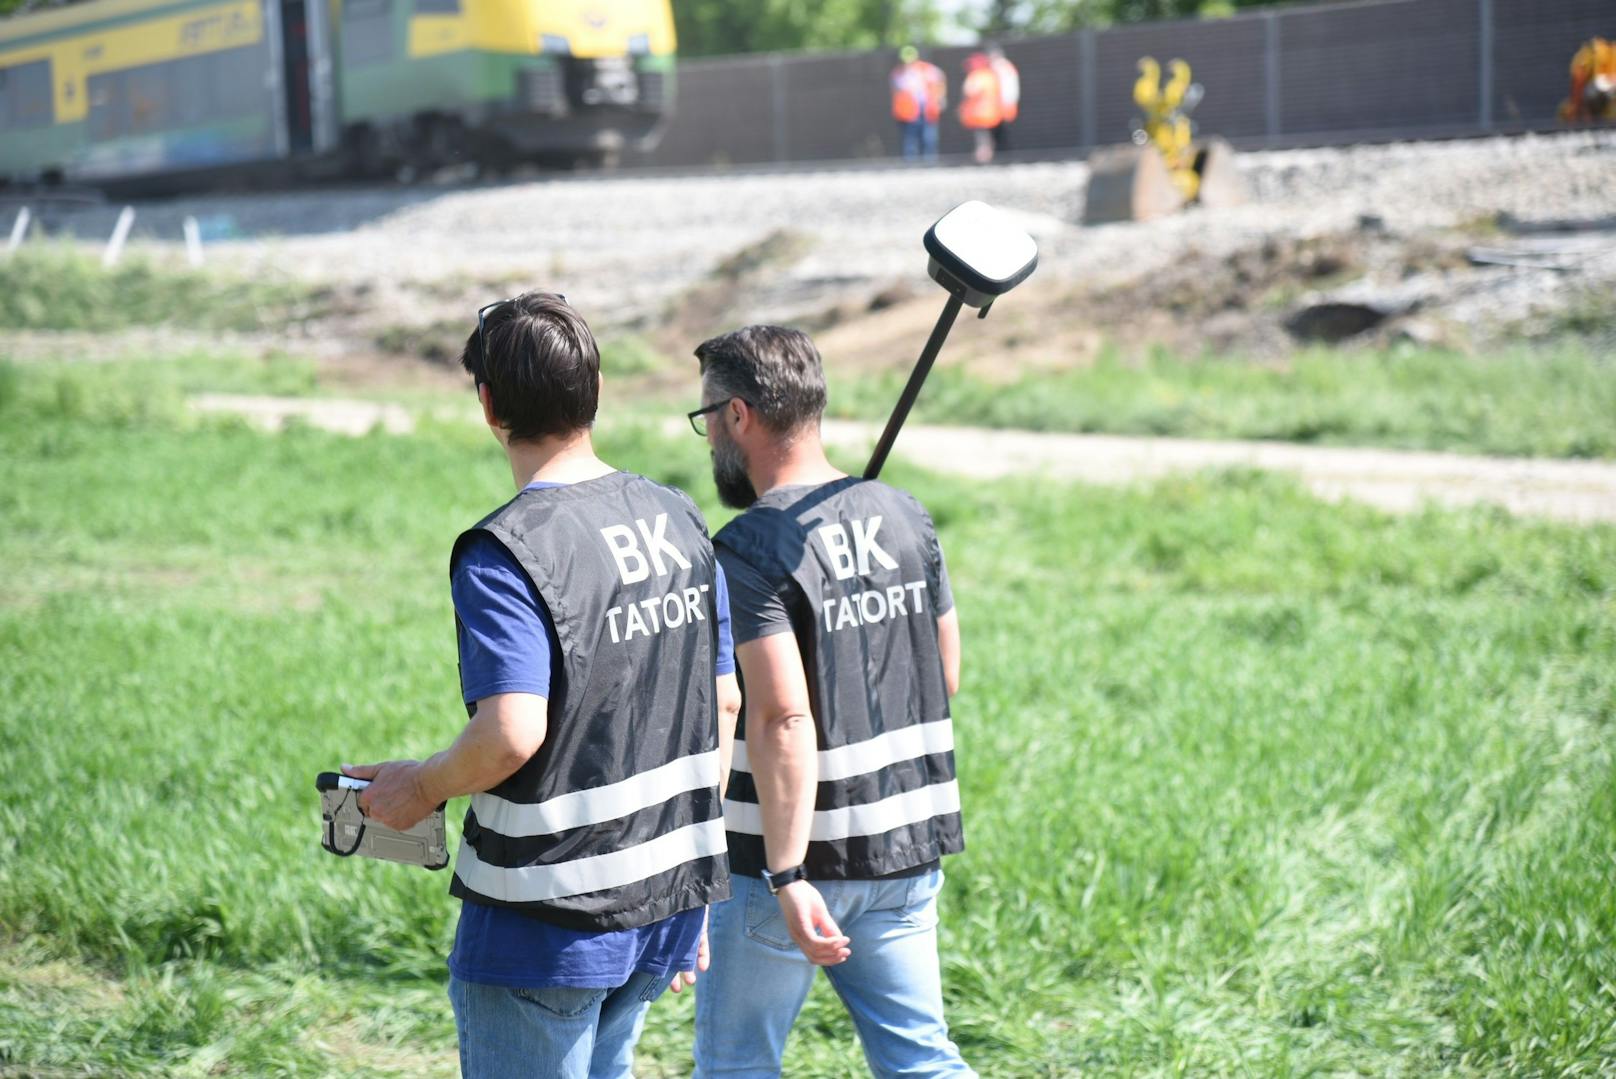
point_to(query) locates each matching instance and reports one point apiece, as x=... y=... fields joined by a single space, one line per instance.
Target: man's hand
x=395 y=796
x=704 y=960
x=810 y=924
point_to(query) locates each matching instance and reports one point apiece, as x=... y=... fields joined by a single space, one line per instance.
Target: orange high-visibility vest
x=912 y=83
x=979 y=100
x=936 y=91
x=1009 y=88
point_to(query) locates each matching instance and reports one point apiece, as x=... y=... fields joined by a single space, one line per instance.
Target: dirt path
x=1395 y=480
x=1401 y=481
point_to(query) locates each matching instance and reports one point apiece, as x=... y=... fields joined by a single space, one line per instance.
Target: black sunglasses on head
x=482 y=320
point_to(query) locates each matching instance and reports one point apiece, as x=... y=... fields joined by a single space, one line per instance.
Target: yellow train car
x=127 y=89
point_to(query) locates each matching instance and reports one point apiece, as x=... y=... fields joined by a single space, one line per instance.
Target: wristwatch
x=779 y=880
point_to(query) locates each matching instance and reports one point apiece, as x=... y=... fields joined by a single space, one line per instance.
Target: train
x=127 y=91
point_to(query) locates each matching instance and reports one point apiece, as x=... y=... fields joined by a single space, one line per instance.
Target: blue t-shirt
x=506 y=640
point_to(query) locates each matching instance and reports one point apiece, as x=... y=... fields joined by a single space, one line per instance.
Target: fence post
x=19 y=230
x=1271 y=75
x=1484 y=74
x=1088 y=80
x=120 y=233
x=193 y=241
x=777 y=105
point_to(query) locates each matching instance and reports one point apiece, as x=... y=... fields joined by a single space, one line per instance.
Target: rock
x=891 y=296
x=1333 y=320
x=1222 y=184
x=1129 y=183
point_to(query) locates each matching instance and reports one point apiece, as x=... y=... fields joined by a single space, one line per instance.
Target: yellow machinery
x=1593 y=84
x=1166 y=121
x=1164 y=169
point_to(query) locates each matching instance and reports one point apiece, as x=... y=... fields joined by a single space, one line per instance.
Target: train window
x=109 y=106
x=25 y=95
x=367 y=31
x=177 y=94
x=151 y=105
x=437 y=7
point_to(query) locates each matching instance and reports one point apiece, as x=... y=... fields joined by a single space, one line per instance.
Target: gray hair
x=774 y=369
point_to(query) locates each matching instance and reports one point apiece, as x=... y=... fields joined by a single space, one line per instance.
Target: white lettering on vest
x=656 y=541
x=850 y=558
x=632 y=565
x=834 y=537
x=632 y=622
x=650 y=608
x=864 y=543
x=647 y=617
x=875 y=605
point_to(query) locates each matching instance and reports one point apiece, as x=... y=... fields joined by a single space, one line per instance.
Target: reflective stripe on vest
x=861 y=759
x=578 y=809
x=595 y=873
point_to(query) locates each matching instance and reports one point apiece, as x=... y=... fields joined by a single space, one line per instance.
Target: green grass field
x=1254 y=784
x=1550 y=400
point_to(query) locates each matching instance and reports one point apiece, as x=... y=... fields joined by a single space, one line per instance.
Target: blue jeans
x=892 y=984
x=558 y=1033
x=919 y=139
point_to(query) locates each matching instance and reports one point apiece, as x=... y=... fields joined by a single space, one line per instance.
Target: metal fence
x=1382 y=69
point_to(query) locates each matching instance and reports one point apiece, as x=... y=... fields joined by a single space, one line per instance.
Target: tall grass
x=1252 y=784
x=58 y=288
x=1554 y=401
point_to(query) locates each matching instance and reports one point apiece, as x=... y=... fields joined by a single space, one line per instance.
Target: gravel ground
x=621 y=245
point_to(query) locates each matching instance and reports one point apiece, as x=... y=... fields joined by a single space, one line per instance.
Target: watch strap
x=779 y=880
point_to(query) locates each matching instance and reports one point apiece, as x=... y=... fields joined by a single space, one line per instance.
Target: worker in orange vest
x=1009 y=95
x=1593 y=84
x=919 y=92
x=981 y=109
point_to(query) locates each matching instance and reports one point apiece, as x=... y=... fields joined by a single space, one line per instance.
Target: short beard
x=735 y=488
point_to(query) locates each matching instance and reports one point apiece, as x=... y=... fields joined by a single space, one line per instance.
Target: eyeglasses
x=482 y=325
x=482 y=321
x=698 y=417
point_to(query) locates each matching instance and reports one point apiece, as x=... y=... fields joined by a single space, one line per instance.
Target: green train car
x=128 y=90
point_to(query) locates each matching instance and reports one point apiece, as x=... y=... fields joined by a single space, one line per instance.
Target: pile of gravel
x=625 y=244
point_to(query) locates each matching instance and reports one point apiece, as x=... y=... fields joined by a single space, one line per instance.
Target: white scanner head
x=979 y=254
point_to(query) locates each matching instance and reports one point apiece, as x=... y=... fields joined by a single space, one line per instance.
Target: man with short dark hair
x=842 y=797
x=596 y=669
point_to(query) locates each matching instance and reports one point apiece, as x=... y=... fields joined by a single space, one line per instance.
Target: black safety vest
x=616 y=821
x=861 y=558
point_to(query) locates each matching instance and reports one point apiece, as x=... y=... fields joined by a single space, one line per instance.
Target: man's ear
x=485 y=396
x=741 y=415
